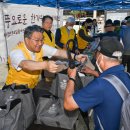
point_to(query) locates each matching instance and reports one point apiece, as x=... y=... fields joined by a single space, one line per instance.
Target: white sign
x=115 y=15
x=18 y=17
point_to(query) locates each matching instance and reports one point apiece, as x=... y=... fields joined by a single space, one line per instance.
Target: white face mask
x=100 y=70
x=70 y=27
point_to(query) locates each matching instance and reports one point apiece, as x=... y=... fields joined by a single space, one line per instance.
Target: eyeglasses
x=36 y=40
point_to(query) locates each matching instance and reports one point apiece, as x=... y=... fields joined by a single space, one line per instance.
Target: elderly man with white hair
x=65 y=33
x=100 y=94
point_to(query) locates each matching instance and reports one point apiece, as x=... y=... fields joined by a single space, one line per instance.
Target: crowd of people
x=111 y=56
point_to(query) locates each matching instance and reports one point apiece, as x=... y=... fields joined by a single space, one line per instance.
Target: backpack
x=125 y=95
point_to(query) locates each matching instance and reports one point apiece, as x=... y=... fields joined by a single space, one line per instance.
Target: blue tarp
x=77 y=4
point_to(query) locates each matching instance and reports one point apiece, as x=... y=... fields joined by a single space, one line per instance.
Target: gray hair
x=31 y=29
x=119 y=59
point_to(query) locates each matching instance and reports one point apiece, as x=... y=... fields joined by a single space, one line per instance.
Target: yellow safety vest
x=47 y=40
x=29 y=78
x=82 y=44
x=65 y=36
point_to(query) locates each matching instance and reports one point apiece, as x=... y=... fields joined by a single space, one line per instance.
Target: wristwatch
x=72 y=79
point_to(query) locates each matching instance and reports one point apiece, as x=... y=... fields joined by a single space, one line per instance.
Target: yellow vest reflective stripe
x=24 y=77
x=82 y=44
x=47 y=40
x=65 y=36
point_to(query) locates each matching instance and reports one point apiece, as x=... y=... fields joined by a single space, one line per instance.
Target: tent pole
x=94 y=14
x=58 y=13
x=5 y=35
x=80 y=17
x=105 y=16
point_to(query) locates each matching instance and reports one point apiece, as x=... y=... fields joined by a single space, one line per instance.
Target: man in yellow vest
x=49 y=39
x=25 y=60
x=84 y=36
x=66 y=33
x=47 y=22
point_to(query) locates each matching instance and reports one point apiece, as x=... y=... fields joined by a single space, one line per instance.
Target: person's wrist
x=46 y=65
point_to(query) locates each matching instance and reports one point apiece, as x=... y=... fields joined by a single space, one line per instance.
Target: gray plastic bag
x=28 y=105
x=60 y=82
x=10 y=112
x=50 y=112
x=59 y=85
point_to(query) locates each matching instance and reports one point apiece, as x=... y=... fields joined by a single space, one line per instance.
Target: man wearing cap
x=99 y=94
x=66 y=33
x=109 y=30
x=125 y=37
x=117 y=26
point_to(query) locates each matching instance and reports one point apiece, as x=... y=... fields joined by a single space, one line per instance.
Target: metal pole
x=94 y=14
x=58 y=12
x=80 y=17
x=105 y=16
x=6 y=45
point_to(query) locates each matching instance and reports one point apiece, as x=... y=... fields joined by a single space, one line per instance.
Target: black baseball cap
x=110 y=47
x=108 y=23
x=116 y=22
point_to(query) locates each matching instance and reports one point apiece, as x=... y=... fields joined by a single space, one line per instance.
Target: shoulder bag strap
x=99 y=121
x=118 y=85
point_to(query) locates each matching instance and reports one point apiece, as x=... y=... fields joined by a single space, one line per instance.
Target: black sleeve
x=76 y=43
x=83 y=36
x=57 y=38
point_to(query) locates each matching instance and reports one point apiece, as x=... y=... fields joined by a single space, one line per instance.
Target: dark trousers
x=126 y=62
